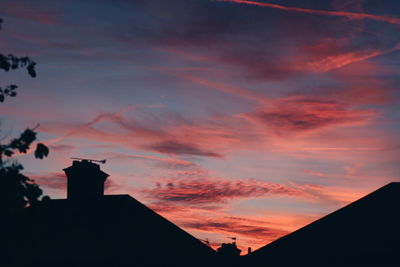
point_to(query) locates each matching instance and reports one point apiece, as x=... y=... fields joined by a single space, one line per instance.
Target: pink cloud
x=333 y=194
x=199 y=138
x=352 y=169
x=223 y=87
x=167 y=162
x=314 y=173
x=61 y=148
x=332 y=62
x=312 y=123
x=237 y=227
x=53 y=180
x=254 y=231
x=173 y=147
x=302 y=113
x=348 y=15
x=250 y=231
x=58 y=181
x=207 y=191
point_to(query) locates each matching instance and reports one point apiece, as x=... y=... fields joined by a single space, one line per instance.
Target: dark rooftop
x=365 y=232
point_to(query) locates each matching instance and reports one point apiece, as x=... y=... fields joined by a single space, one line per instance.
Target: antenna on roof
x=91 y=160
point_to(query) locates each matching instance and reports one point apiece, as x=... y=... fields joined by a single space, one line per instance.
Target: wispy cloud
x=160 y=138
x=337 y=61
x=58 y=181
x=223 y=87
x=178 y=148
x=53 y=180
x=207 y=191
x=349 y=15
x=298 y=114
x=237 y=226
x=168 y=162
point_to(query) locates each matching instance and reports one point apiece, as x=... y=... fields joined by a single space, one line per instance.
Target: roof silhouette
x=116 y=230
x=363 y=233
x=91 y=229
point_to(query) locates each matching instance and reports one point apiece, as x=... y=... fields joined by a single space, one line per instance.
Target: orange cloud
x=251 y=231
x=259 y=232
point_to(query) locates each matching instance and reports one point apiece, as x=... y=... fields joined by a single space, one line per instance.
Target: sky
x=231 y=118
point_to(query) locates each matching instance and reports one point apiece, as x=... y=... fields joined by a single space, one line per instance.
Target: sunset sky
x=231 y=118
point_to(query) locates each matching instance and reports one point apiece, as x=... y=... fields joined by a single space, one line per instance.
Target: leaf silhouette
x=41 y=151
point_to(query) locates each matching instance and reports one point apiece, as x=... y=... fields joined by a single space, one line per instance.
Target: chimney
x=249 y=250
x=85 y=180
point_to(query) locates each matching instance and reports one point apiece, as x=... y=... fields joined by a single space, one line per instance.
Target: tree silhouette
x=16 y=190
x=12 y=62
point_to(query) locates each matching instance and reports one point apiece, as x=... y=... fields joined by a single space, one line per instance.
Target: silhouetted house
x=229 y=255
x=364 y=233
x=89 y=229
x=228 y=250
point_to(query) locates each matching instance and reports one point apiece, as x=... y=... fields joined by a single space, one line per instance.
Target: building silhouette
x=229 y=250
x=364 y=233
x=92 y=229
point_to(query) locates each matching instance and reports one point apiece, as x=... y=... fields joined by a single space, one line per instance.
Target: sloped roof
x=366 y=232
x=114 y=231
